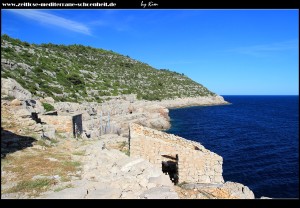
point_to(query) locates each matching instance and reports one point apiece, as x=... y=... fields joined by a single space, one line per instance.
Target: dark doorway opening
x=77 y=125
x=170 y=167
x=35 y=117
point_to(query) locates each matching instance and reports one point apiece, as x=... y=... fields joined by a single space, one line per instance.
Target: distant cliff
x=77 y=73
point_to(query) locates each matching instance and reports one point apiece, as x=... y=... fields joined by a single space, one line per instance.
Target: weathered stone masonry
x=64 y=124
x=195 y=163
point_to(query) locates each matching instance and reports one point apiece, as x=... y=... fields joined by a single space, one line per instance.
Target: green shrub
x=48 y=107
x=30 y=185
x=56 y=90
x=75 y=79
x=111 y=73
x=38 y=69
x=10 y=98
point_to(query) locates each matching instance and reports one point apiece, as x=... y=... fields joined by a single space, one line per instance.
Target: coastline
x=190 y=102
x=193 y=101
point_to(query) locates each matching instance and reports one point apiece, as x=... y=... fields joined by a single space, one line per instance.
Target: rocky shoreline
x=193 y=101
x=113 y=117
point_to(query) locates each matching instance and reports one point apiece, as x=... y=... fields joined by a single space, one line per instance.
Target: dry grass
x=79 y=153
x=37 y=163
x=10 y=123
x=42 y=143
x=121 y=146
x=124 y=147
x=8 y=120
x=33 y=187
x=31 y=162
x=21 y=166
x=71 y=166
x=63 y=187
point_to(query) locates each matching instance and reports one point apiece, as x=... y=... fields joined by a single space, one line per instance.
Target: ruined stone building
x=70 y=124
x=183 y=160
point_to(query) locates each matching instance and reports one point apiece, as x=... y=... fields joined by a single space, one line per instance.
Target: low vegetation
x=63 y=187
x=124 y=147
x=34 y=186
x=48 y=107
x=121 y=146
x=81 y=73
x=79 y=153
x=24 y=166
x=38 y=168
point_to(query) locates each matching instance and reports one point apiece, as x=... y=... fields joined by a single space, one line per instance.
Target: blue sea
x=257 y=136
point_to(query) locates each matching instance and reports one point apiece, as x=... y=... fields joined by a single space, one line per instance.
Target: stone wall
x=62 y=124
x=195 y=163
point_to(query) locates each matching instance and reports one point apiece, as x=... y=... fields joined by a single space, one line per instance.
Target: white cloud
x=47 y=18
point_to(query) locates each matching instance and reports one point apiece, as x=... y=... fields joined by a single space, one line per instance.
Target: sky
x=231 y=52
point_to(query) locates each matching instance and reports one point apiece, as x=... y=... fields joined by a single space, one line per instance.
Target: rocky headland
x=117 y=152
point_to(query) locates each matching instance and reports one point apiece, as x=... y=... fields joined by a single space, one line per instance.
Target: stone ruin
x=69 y=124
x=184 y=161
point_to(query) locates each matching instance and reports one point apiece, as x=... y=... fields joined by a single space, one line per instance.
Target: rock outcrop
x=193 y=101
x=33 y=106
x=9 y=87
x=238 y=190
x=228 y=190
x=114 y=116
x=16 y=102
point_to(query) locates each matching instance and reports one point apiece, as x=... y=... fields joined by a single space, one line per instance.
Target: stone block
x=16 y=102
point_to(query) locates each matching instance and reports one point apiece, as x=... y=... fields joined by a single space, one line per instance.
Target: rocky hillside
x=77 y=73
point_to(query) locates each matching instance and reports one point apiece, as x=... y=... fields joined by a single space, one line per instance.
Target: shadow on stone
x=171 y=168
x=11 y=142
